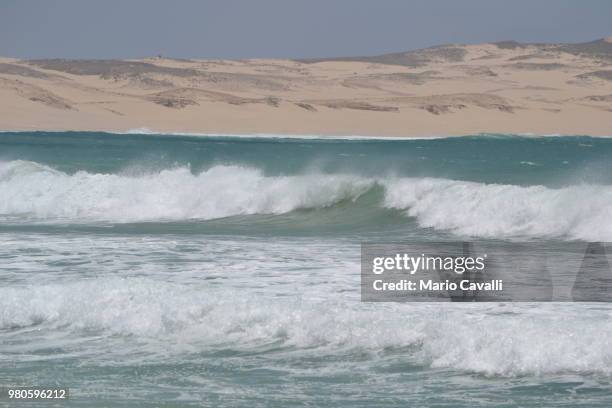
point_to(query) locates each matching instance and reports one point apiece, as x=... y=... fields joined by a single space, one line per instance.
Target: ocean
x=169 y=270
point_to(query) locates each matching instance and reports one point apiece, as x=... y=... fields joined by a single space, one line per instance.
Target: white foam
x=32 y=191
x=147 y=131
x=491 y=339
x=39 y=192
x=498 y=211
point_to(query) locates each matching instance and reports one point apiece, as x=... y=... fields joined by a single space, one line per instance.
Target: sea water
x=149 y=270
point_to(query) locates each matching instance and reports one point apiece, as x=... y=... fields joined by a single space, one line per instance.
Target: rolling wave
x=527 y=341
x=33 y=192
x=581 y=212
x=40 y=192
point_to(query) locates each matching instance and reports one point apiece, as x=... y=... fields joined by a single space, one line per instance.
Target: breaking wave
x=469 y=338
x=175 y=194
x=31 y=191
x=494 y=210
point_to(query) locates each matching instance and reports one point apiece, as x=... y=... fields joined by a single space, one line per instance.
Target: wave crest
x=497 y=211
x=40 y=192
x=33 y=191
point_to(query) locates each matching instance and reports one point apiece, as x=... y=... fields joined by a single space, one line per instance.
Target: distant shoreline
x=272 y=136
x=451 y=90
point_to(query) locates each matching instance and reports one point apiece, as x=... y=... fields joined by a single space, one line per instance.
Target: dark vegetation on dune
x=109 y=69
x=604 y=74
x=535 y=66
x=14 y=69
x=601 y=49
x=450 y=53
x=120 y=70
x=594 y=49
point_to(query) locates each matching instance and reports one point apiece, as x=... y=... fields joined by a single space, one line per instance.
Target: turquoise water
x=148 y=270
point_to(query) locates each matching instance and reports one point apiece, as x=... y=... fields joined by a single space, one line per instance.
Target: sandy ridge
x=448 y=90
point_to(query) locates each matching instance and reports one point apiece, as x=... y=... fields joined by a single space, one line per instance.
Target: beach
x=506 y=87
x=196 y=232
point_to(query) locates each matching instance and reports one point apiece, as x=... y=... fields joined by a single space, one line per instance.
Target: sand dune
x=445 y=90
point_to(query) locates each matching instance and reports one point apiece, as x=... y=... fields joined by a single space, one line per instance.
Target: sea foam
x=35 y=192
x=175 y=194
x=494 y=340
x=496 y=210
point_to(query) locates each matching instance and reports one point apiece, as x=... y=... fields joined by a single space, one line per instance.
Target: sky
x=284 y=28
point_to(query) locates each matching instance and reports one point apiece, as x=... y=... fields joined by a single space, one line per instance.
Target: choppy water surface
x=147 y=270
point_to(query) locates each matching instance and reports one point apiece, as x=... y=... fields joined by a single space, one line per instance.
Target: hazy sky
x=284 y=28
